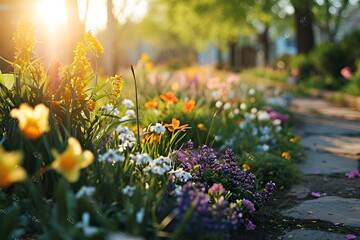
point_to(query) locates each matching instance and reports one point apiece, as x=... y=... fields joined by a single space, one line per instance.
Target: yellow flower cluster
x=24 y=43
x=37 y=72
x=78 y=72
x=94 y=44
x=117 y=85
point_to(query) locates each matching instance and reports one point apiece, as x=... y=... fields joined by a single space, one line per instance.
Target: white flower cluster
x=110 y=109
x=141 y=158
x=111 y=156
x=85 y=191
x=277 y=101
x=159 y=166
x=126 y=137
x=128 y=190
x=128 y=103
x=157 y=128
x=180 y=174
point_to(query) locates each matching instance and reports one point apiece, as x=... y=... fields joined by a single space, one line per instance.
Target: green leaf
x=7 y=80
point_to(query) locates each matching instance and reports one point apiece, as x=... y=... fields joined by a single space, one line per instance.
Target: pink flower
x=350 y=236
x=353 y=174
x=295 y=72
x=276 y=115
x=216 y=188
x=346 y=72
x=315 y=194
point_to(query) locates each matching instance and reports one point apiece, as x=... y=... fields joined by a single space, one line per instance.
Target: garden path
x=331 y=136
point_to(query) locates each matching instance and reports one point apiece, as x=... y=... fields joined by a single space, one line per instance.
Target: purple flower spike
x=249 y=225
x=249 y=205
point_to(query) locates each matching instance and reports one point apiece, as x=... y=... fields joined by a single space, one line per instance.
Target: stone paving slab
x=299 y=191
x=326 y=163
x=304 y=234
x=329 y=208
x=313 y=105
x=315 y=124
x=336 y=144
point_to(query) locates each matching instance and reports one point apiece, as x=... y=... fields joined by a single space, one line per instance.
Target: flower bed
x=79 y=162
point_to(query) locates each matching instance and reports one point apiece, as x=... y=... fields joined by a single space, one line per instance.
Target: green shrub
x=329 y=59
x=272 y=168
x=349 y=43
x=282 y=62
x=304 y=64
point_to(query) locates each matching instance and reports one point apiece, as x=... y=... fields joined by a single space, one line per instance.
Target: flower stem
x=137 y=110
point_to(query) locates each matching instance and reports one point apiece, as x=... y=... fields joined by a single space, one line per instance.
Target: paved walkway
x=331 y=136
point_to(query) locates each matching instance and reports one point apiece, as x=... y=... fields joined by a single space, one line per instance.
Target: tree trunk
x=220 y=63
x=264 y=41
x=76 y=26
x=304 y=29
x=232 y=55
x=110 y=43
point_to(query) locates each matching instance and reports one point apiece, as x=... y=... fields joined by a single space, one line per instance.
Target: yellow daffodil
x=33 y=122
x=72 y=160
x=10 y=170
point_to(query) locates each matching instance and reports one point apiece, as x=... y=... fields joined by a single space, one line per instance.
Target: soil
x=272 y=225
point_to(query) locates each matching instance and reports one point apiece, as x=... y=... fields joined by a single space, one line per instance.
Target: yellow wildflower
x=33 y=122
x=72 y=160
x=292 y=140
x=201 y=127
x=286 y=155
x=149 y=66
x=10 y=171
x=24 y=43
x=94 y=44
x=145 y=58
x=246 y=166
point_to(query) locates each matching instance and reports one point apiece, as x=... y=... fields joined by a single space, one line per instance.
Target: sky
x=53 y=12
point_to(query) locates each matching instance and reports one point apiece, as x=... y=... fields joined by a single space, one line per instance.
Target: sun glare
x=52 y=12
